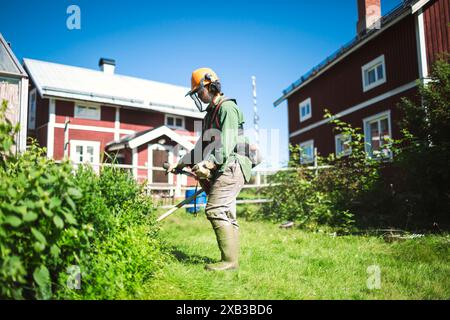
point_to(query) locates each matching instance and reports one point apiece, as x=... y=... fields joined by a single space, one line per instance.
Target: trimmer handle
x=166 y=166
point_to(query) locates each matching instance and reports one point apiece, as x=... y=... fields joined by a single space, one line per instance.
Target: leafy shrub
x=53 y=217
x=409 y=191
x=328 y=197
x=312 y=199
x=37 y=210
x=127 y=250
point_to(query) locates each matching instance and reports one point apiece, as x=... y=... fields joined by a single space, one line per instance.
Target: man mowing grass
x=221 y=162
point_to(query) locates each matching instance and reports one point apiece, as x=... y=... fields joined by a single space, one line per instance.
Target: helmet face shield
x=201 y=106
x=198 y=102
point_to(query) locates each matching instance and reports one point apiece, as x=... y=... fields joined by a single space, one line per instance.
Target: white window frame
x=85 y=143
x=302 y=145
x=32 y=110
x=367 y=137
x=77 y=115
x=373 y=65
x=337 y=139
x=303 y=104
x=181 y=179
x=174 y=126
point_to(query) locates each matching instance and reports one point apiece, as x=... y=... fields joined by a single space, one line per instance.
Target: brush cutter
x=184 y=202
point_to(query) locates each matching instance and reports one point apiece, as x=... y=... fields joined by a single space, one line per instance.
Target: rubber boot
x=227 y=239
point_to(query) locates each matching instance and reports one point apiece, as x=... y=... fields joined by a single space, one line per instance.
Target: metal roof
x=352 y=45
x=64 y=81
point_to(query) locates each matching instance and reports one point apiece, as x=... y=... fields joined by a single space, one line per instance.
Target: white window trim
x=336 y=141
x=366 y=121
x=301 y=105
x=174 y=126
x=150 y=149
x=369 y=66
x=85 y=143
x=32 y=124
x=97 y=116
x=307 y=143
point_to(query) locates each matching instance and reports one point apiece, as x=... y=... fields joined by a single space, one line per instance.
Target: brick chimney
x=107 y=65
x=369 y=13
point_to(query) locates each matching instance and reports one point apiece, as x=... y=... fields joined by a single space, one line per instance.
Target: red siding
x=103 y=137
x=65 y=109
x=41 y=136
x=140 y=120
x=437 y=30
x=58 y=146
x=142 y=161
x=41 y=111
x=40 y=133
x=340 y=87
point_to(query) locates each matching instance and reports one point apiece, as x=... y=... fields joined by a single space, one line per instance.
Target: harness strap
x=216 y=112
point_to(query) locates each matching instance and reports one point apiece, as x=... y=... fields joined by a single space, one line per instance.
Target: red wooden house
x=84 y=114
x=362 y=82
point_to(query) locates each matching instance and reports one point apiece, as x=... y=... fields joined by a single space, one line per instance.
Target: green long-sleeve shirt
x=230 y=119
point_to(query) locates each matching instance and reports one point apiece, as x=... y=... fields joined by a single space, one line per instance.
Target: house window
x=343 y=147
x=305 y=110
x=174 y=122
x=307 y=152
x=374 y=73
x=32 y=110
x=377 y=132
x=85 y=151
x=87 y=112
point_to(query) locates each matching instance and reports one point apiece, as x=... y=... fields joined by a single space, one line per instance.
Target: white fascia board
x=33 y=80
x=23 y=112
x=421 y=46
x=419 y=5
x=134 y=143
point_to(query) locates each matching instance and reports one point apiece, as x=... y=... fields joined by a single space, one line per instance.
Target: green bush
x=128 y=250
x=37 y=211
x=307 y=198
x=53 y=217
x=409 y=190
x=329 y=197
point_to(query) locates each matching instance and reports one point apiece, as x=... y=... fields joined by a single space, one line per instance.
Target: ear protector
x=214 y=84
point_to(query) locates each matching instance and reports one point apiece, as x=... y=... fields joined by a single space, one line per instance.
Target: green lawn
x=292 y=264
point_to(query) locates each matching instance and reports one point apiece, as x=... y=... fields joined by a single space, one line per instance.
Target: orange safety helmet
x=202 y=77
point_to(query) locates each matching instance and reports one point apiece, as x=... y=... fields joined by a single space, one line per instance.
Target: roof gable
x=8 y=61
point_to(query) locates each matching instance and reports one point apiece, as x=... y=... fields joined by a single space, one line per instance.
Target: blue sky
x=277 y=41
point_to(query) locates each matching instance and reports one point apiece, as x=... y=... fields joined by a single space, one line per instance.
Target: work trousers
x=223 y=193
